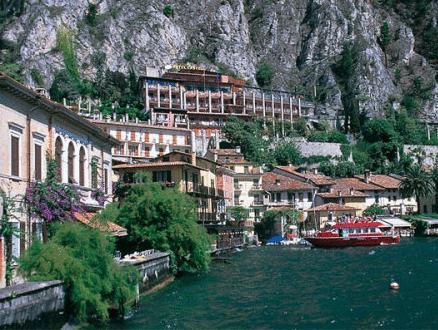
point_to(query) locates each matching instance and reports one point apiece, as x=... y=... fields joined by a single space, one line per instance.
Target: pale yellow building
x=32 y=127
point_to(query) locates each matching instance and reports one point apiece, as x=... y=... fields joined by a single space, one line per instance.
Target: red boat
x=354 y=234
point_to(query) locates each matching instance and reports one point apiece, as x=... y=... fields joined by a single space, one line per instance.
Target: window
x=146 y=137
x=300 y=197
x=58 y=157
x=246 y=169
x=71 y=158
x=37 y=161
x=82 y=167
x=278 y=197
x=132 y=135
x=105 y=180
x=132 y=150
x=15 y=155
x=290 y=196
x=161 y=151
x=174 y=139
x=162 y=176
x=146 y=151
x=309 y=196
x=119 y=134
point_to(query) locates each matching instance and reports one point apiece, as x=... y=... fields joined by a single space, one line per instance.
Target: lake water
x=284 y=288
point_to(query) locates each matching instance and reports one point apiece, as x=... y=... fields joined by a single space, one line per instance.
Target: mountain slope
x=302 y=40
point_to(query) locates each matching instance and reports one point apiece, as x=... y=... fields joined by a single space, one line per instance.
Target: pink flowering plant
x=51 y=200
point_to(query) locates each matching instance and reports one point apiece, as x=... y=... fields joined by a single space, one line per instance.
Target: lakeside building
x=140 y=141
x=207 y=98
x=33 y=127
x=247 y=181
x=284 y=192
x=189 y=173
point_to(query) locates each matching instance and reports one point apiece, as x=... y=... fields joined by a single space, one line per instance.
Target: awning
x=394 y=222
x=104 y=226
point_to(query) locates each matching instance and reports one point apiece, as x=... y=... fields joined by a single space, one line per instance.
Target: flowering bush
x=99 y=196
x=51 y=200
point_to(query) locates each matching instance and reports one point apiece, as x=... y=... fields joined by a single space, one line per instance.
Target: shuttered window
x=37 y=162
x=15 y=156
x=105 y=178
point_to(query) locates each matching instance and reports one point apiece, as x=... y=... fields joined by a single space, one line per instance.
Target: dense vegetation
x=82 y=258
x=164 y=219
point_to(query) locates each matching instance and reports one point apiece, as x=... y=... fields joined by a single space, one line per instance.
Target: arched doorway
x=70 y=166
x=58 y=158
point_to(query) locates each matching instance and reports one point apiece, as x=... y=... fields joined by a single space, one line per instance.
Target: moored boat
x=362 y=233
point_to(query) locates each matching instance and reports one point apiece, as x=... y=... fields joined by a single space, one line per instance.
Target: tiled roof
x=354 y=183
x=332 y=207
x=316 y=179
x=108 y=226
x=153 y=164
x=269 y=183
x=384 y=181
x=343 y=193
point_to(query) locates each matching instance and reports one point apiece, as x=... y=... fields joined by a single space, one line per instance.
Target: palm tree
x=416 y=182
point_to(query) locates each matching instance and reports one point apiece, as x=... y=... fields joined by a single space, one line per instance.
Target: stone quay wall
x=153 y=269
x=28 y=301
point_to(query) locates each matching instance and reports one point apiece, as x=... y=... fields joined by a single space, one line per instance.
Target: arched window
x=82 y=167
x=58 y=157
x=71 y=159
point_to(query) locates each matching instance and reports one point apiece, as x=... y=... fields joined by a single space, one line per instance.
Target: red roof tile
x=354 y=183
x=276 y=182
x=384 y=181
x=332 y=207
x=108 y=226
x=316 y=179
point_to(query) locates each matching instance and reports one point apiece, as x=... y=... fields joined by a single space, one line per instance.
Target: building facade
x=33 y=128
x=207 y=98
x=140 y=141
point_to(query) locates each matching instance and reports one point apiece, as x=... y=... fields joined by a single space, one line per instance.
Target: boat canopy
x=362 y=224
x=275 y=239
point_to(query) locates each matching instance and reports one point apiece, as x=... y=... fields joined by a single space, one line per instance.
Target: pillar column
x=264 y=109
x=291 y=109
x=184 y=100
x=146 y=88
x=234 y=98
x=170 y=97
x=209 y=101
x=181 y=97
x=299 y=107
x=253 y=103
x=273 y=113
x=282 y=115
x=158 y=96
x=64 y=161
x=197 y=100
x=244 y=103
x=222 y=102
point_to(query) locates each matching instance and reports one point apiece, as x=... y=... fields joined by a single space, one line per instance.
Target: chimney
x=114 y=116
x=277 y=182
x=351 y=191
x=315 y=170
x=367 y=176
x=238 y=149
x=339 y=193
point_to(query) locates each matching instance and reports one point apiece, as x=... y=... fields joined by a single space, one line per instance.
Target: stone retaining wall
x=153 y=269
x=308 y=149
x=28 y=301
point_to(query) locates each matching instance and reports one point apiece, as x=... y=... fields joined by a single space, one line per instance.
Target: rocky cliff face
x=301 y=39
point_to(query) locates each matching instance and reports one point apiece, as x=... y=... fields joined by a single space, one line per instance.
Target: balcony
x=202 y=190
x=257 y=203
x=255 y=187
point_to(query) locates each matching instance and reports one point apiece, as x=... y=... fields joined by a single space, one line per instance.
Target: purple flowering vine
x=51 y=200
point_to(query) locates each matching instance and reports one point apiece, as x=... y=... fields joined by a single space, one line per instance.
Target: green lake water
x=284 y=288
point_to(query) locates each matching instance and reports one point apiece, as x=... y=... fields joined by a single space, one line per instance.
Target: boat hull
x=334 y=242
